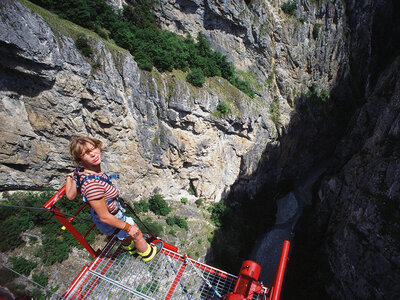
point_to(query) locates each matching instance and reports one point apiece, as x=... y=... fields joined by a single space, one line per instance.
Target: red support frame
x=50 y=206
x=273 y=293
x=277 y=283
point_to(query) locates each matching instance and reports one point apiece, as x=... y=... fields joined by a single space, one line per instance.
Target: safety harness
x=79 y=184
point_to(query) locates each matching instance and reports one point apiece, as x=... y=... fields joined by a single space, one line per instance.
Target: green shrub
x=196 y=77
x=289 y=8
x=155 y=228
x=141 y=206
x=198 y=202
x=191 y=191
x=315 y=96
x=180 y=222
x=101 y=32
x=184 y=200
x=14 y=221
x=41 y=279
x=37 y=294
x=56 y=243
x=223 y=109
x=274 y=111
x=10 y=234
x=315 y=31
x=33 y=239
x=270 y=78
x=312 y=91
x=145 y=64
x=21 y=265
x=6 y=276
x=217 y=213
x=324 y=95
x=82 y=43
x=170 y=221
x=134 y=28
x=242 y=85
x=158 y=205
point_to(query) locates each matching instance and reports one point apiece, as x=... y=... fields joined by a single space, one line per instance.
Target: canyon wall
x=162 y=135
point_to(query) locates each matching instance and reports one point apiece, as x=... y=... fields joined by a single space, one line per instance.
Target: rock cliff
x=160 y=132
x=162 y=135
x=347 y=243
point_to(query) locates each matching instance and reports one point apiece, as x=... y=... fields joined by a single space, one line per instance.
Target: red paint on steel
x=53 y=200
x=79 y=237
x=75 y=282
x=176 y=281
x=247 y=284
x=166 y=245
x=50 y=206
x=280 y=272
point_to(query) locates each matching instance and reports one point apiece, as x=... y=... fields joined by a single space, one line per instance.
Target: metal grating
x=116 y=274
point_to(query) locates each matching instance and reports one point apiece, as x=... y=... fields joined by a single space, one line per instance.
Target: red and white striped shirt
x=94 y=189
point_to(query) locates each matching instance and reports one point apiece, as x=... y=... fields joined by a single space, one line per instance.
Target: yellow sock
x=149 y=254
x=131 y=248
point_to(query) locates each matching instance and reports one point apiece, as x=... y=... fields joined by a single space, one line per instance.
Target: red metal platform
x=116 y=274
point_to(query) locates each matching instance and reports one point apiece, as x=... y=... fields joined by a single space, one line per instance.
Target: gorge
x=324 y=125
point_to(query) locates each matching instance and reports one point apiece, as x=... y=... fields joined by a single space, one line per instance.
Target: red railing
x=273 y=293
x=67 y=223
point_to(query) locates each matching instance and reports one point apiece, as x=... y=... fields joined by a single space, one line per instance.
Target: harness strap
x=79 y=182
x=107 y=180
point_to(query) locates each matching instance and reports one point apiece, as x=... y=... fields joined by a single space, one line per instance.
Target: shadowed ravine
x=267 y=249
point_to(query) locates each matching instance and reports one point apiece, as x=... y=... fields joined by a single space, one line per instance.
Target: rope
x=126 y=204
x=205 y=279
x=42 y=208
x=17 y=206
x=45 y=288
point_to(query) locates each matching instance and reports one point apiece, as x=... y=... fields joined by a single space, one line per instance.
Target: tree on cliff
x=134 y=29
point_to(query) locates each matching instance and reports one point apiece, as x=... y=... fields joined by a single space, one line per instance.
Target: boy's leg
x=129 y=245
x=151 y=251
x=137 y=244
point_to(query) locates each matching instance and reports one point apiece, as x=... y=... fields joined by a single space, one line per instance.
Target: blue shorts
x=110 y=230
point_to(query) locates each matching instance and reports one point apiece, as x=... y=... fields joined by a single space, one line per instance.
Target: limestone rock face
x=160 y=134
x=360 y=205
x=260 y=37
x=349 y=240
x=156 y=125
x=288 y=54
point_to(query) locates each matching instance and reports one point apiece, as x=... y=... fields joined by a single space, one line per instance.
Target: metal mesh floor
x=116 y=274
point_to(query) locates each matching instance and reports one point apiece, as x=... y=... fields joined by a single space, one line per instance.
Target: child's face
x=91 y=156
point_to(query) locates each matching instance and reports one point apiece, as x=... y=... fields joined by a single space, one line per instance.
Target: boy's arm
x=70 y=187
x=100 y=207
